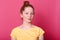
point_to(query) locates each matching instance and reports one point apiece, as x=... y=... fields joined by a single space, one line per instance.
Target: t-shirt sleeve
x=41 y=32
x=12 y=35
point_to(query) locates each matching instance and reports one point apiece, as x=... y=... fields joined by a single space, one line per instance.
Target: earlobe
x=21 y=15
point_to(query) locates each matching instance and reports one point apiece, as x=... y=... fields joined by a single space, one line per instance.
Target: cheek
x=32 y=16
x=25 y=16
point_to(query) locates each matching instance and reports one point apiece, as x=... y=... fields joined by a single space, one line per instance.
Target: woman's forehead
x=28 y=9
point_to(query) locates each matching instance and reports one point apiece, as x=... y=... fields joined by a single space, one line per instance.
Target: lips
x=29 y=19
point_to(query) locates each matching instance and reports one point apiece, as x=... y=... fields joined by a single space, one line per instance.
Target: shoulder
x=39 y=28
x=14 y=29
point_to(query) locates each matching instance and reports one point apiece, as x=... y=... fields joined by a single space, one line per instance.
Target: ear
x=21 y=15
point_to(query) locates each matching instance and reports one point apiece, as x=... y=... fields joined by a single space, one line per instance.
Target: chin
x=29 y=21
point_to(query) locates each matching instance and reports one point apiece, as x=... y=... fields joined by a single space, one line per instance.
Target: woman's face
x=27 y=14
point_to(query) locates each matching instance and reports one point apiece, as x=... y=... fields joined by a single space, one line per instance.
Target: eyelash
x=31 y=13
x=26 y=13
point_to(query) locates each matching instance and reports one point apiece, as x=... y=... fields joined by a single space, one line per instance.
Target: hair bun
x=26 y=3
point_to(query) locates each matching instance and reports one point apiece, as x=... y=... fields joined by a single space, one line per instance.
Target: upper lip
x=29 y=19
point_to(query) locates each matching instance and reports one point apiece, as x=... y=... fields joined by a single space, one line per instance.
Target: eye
x=26 y=13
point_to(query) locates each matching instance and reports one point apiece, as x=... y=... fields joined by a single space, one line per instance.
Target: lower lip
x=29 y=19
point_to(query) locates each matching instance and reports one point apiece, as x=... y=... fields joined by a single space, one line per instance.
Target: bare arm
x=41 y=37
x=13 y=38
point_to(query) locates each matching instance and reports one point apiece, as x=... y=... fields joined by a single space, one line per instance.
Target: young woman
x=27 y=31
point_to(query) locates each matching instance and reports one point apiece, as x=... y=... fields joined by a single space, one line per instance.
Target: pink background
x=47 y=15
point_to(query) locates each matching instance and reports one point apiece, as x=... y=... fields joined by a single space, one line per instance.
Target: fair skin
x=27 y=16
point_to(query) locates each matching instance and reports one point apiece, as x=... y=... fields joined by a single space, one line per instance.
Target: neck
x=27 y=24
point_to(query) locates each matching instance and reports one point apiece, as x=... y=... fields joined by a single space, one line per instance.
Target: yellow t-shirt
x=30 y=34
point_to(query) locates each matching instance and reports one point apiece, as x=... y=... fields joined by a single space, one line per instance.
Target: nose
x=30 y=15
